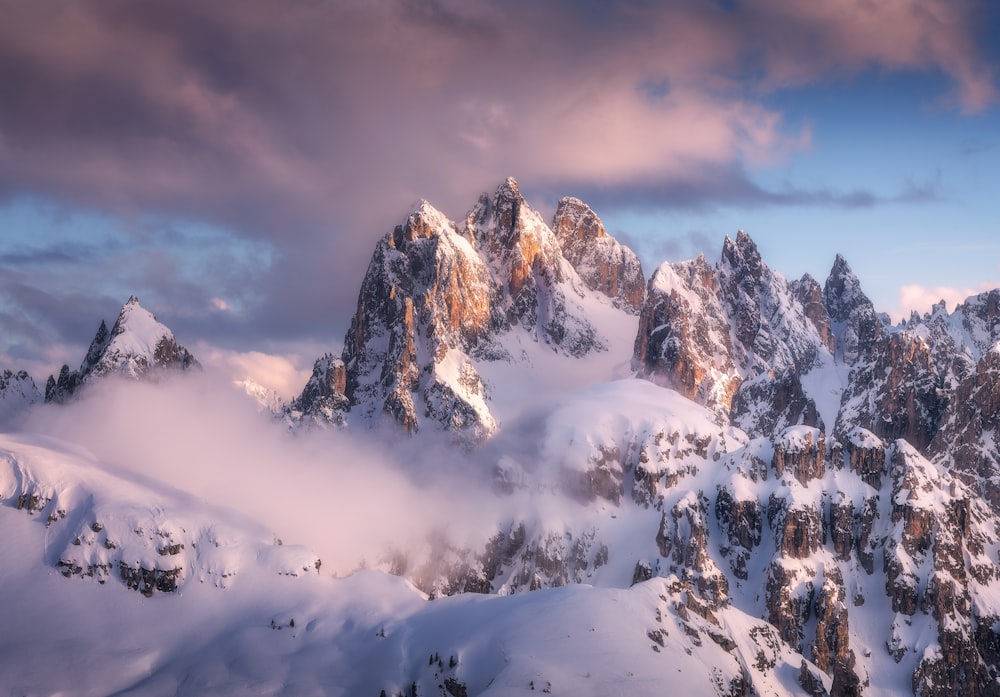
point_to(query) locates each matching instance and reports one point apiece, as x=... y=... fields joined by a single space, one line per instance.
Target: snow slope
x=251 y=617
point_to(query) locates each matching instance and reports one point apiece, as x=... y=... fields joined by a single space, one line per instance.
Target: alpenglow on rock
x=438 y=298
x=603 y=263
x=733 y=337
x=137 y=347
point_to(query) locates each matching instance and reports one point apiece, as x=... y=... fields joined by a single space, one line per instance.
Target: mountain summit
x=438 y=300
x=137 y=346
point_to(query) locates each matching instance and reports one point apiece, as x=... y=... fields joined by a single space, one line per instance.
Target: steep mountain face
x=965 y=440
x=603 y=263
x=856 y=326
x=541 y=291
x=427 y=302
x=734 y=337
x=438 y=299
x=137 y=346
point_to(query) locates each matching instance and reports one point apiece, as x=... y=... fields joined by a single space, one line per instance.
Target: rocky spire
x=733 y=337
x=856 y=325
x=809 y=293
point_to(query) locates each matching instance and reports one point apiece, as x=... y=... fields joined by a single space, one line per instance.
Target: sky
x=234 y=163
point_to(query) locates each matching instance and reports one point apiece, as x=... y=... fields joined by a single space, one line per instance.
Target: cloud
x=920 y=299
x=809 y=41
x=202 y=109
x=285 y=374
x=351 y=498
x=305 y=133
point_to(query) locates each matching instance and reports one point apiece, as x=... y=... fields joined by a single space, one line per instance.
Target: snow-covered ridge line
x=104 y=526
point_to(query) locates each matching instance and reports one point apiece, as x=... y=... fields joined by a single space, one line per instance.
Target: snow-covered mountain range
x=713 y=481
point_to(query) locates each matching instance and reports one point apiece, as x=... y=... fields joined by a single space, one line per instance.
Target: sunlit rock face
x=732 y=336
x=603 y=263
x=426 y=293
x=540 y=290
x=137 y=347
x=440 y=297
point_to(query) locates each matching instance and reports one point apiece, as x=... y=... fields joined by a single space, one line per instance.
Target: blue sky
x=233 y=166
x=930 y=173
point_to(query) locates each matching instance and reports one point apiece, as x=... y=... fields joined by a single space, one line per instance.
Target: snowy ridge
x=108 y=528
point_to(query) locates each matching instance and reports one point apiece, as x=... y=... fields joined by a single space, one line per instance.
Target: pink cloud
x=208 y=108
x=808 y=41
x=920 y=299
x=314 y=125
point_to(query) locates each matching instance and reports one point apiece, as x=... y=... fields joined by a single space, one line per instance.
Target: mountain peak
x=603 y=263
x=857 y=326
x=742 y=253
x=424 y=222
x=842 y=290
x=136 y=345
x=575 y=219
x=508 y=189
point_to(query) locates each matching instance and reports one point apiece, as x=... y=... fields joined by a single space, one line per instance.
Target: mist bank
x=356 y=497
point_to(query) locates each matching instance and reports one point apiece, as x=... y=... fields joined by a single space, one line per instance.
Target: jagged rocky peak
x=603 y=263
x=426 y=293
x=539 y=289
x=136 y=347
x=856 y=325
x=733 y=336
x=438 y=297
x=684 y=339
x=742 y=257
x=809 y=293
x=520 y=248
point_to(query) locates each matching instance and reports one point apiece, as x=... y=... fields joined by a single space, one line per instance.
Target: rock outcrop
x=855 y=324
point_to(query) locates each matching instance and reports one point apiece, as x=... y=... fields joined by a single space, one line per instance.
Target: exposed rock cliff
x=439 y=298
x=603 y=263
x=17 y=392
x=733 y=337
